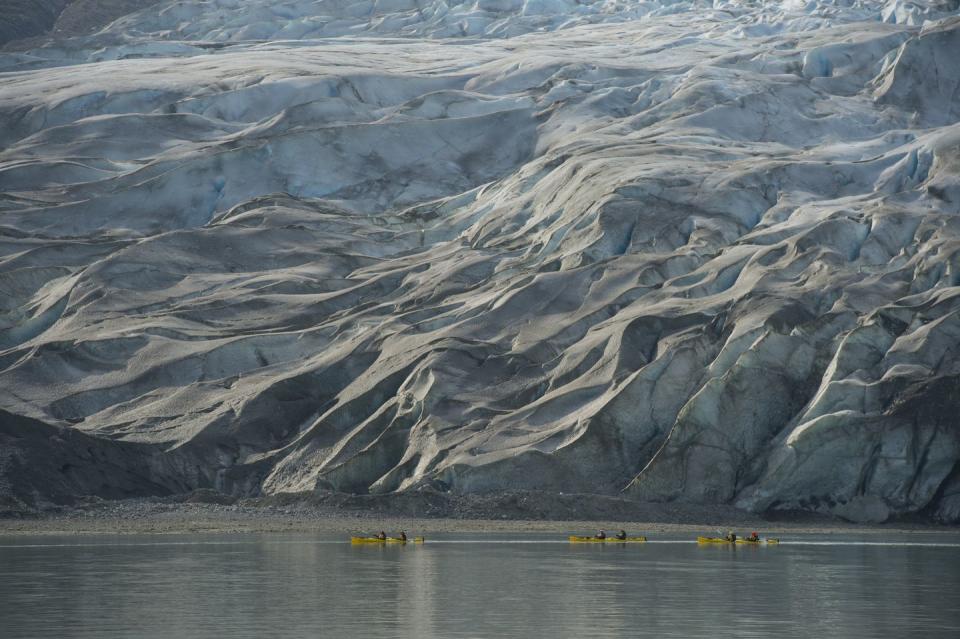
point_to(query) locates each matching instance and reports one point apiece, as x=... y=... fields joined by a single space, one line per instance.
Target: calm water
x=476 y=586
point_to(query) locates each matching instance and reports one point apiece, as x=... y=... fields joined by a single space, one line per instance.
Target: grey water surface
x=276 y=585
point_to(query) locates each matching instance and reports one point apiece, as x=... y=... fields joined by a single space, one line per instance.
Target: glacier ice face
x=916 y=12
x=698 y=251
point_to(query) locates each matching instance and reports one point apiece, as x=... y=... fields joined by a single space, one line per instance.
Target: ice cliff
x=696 y=251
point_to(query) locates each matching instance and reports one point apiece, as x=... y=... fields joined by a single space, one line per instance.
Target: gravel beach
x=200 y=512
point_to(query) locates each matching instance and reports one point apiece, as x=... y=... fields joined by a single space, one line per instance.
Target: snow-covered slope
x=692 y=251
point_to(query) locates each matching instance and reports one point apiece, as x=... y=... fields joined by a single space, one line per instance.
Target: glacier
x=679 y=251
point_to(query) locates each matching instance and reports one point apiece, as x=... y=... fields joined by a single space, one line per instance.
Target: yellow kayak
x=721 y=540
x=388 y=540
x=593 y=540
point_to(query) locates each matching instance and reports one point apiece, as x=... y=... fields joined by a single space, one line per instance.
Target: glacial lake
x=472 y=585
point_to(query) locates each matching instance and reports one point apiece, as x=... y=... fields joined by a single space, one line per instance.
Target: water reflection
x=275 y=585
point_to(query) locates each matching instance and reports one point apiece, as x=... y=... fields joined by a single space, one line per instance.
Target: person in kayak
x=381 y=535
x=622 y=535
x=601 y=535
x=403 y=535
x=732 y=537
x=753 y=536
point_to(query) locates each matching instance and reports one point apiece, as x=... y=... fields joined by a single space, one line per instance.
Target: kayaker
x=732 y=537
x=403 y=535
x=753 y=536
x=601 y=535
x=622 y=535
x=381 y=536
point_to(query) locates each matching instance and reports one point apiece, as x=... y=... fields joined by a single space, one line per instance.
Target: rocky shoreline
x=210 y=512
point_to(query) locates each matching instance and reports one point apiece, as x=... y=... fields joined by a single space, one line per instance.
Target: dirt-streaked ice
x=691 y=251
